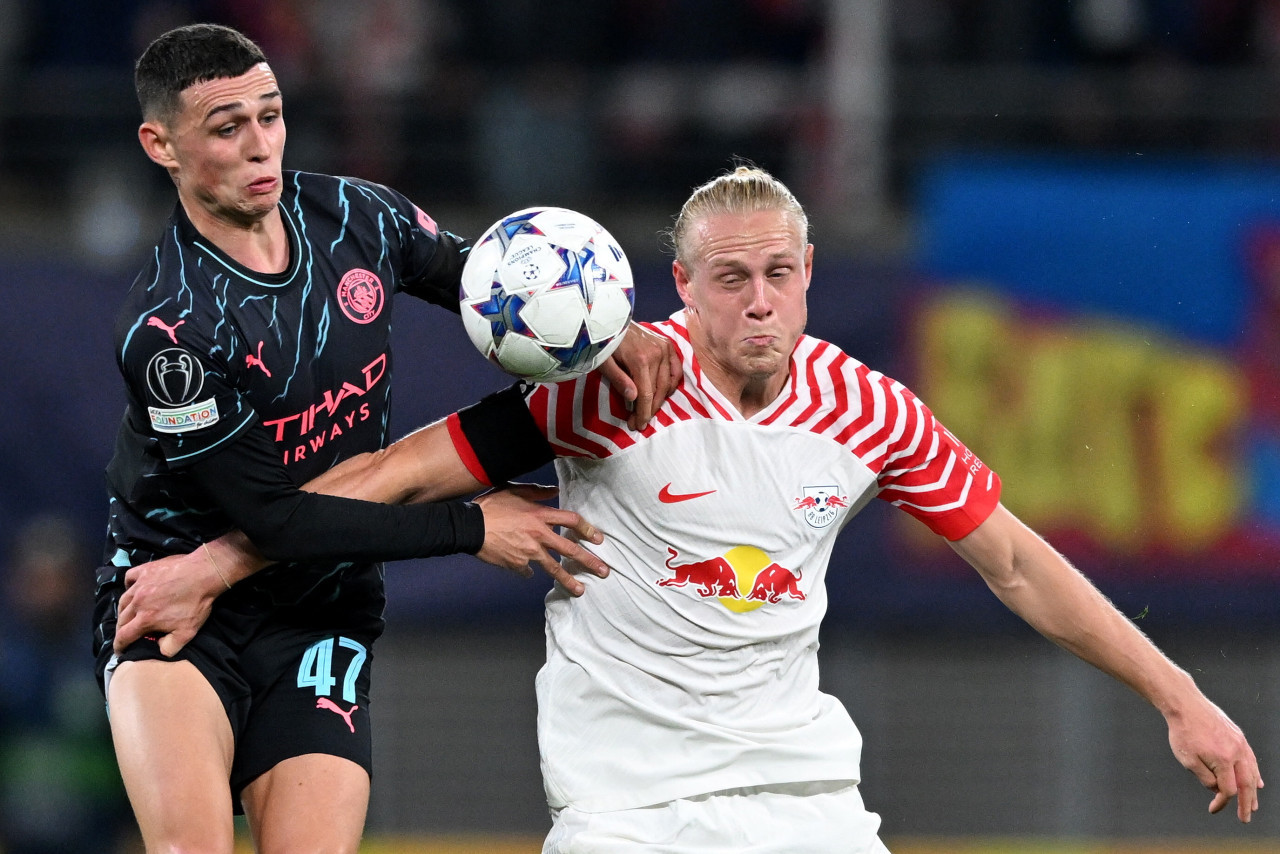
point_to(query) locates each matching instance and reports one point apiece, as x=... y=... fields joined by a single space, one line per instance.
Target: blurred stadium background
x=1058 y=221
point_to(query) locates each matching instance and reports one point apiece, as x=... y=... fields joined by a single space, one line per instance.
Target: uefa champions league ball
x=546 y=294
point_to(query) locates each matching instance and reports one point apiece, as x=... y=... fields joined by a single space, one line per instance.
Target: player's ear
x=681 y=275
x=808 y=265
x=154 y=137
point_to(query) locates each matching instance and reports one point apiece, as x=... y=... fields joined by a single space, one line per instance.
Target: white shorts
x=795 y=818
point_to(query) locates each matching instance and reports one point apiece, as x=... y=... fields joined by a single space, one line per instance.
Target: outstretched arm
x=1040 y=586
x=173 y=596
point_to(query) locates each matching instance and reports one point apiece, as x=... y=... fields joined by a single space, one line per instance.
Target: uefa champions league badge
x=821 y=504
x=175 y=378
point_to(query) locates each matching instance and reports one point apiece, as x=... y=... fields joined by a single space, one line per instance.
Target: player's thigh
x=174 y=747
x=804 y=818
x=310 y=696
x=314 y=803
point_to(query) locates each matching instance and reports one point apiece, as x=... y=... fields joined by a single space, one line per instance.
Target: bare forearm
x=1040 y=586
x=235 y=557
x=422 y=466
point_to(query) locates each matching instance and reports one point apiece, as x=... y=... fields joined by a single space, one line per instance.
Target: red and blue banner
x=1107 y=336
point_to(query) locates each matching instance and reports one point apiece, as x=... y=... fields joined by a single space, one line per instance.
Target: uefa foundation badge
x=176 y=377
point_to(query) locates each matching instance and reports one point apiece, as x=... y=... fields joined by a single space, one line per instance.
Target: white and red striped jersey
x=693 y=667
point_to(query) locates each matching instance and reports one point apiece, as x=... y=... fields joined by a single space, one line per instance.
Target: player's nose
x=257 y=143
x=761 y=305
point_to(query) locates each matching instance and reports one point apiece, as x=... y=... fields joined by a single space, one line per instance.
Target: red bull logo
x=742 y=579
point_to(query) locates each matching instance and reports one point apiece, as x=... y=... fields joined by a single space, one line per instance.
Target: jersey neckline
x=721 y=401
x=194 y=238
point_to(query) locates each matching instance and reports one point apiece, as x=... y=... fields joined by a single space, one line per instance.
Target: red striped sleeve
x=930 y=474
x=595 y=425
x=918 y=464
x=811 y=376
x=888 y=421
x=566 y=421
x=541 y=405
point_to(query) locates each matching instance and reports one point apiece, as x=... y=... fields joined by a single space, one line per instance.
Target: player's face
x=745 y=294
x=225 y=148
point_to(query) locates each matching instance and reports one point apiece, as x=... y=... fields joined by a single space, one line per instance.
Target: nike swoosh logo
x=666 y=496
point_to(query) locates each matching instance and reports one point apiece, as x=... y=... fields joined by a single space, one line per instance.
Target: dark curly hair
x=185 y=56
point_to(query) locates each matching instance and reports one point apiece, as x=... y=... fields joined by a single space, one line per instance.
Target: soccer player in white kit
x=679 y=708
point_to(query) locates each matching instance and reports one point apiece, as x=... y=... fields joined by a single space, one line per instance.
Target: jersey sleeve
x=920 y=466
x=180 y=385
x=247 y=480
x=498 y=438
x=431 y=258
x=583 y=417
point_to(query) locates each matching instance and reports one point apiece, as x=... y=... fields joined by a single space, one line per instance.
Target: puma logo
x=171 y=331
x=250 y=360
x=326 y=703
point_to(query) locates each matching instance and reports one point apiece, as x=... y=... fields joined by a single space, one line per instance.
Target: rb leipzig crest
x=821 y=504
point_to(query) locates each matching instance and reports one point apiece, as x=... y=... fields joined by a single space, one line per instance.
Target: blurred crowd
x=59 y=787
x=1120 y=32
x=494 y=99
x=499 y=102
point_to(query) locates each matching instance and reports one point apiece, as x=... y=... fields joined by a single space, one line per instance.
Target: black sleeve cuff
x=470 y=528
x=504 y=436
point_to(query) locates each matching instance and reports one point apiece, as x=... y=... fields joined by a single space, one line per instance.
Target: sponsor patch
x=194 y=417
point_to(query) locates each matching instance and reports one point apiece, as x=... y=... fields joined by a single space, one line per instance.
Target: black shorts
x=288 y=691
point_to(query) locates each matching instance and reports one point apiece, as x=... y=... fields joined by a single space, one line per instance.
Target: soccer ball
x=546 y=294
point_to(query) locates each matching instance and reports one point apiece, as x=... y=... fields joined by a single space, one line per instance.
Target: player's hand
x=1212 y=747
x=170 y=597
x=644 y=369
x=520 y=532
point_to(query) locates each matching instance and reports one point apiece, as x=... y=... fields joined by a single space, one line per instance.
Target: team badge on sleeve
x=821 y=504
x=175 y=378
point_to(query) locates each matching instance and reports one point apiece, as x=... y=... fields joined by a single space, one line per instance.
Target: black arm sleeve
x=439 y=282
x=248 y=482
x=504 y=435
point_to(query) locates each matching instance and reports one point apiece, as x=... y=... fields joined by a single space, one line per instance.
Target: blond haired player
x=690 y=674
